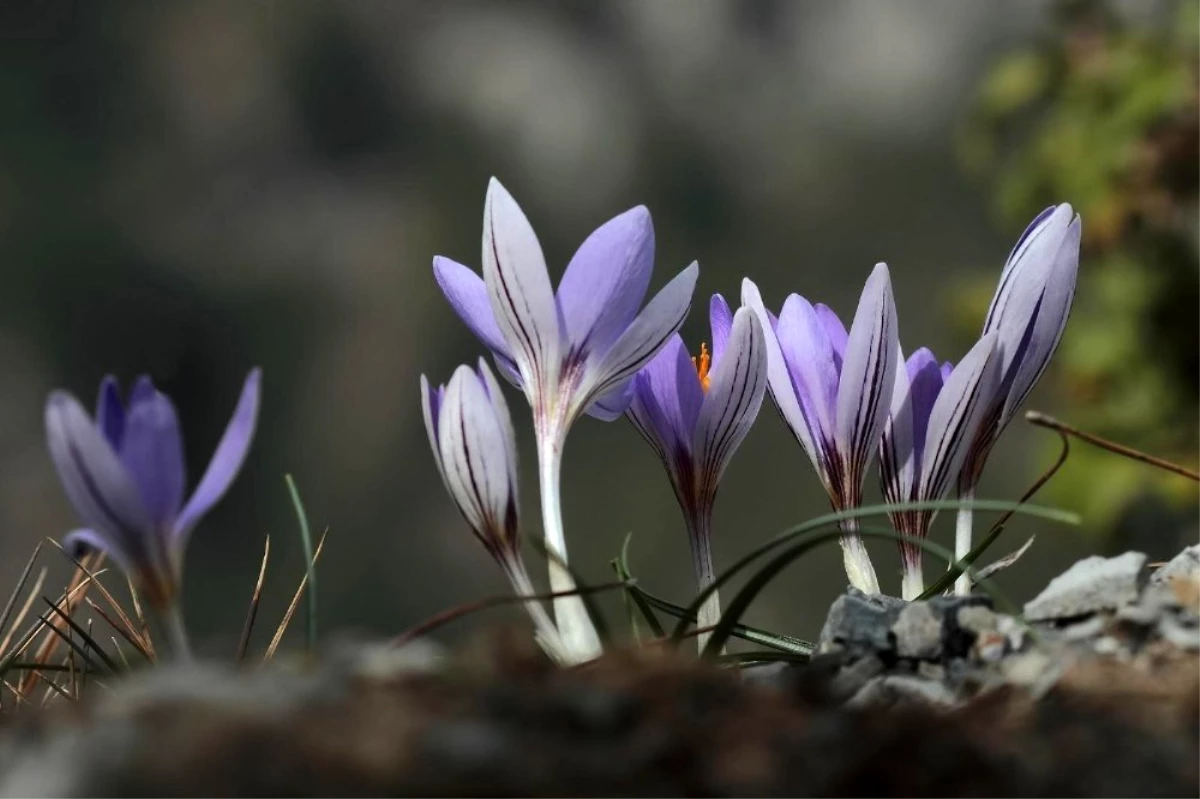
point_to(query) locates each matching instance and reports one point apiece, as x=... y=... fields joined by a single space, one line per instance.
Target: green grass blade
x=856 y=513
x=633 y=596
x=309 y=564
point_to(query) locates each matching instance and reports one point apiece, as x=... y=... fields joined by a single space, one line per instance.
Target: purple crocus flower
x=695 y=412
x=936 y=413
x=1028 y=315
x=833 y=390
x=571 y=352
x=471 y=434
x=124 y=473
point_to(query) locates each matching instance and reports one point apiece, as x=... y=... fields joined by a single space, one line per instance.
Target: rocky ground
x=1095 y=692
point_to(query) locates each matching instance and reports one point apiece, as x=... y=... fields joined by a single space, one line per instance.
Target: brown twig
x=124 y=633
x=291 y=610
x=24 y=611
x=255 y=598
x=141 y=617
x=141 y=645
x=459 y=611
x=79 y=582
x=1042 y=420
x=12 y=599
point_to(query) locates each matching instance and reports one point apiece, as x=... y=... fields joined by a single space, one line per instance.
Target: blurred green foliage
x=1103 y=114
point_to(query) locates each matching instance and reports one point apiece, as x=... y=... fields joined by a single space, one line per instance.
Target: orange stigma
x=702 y=362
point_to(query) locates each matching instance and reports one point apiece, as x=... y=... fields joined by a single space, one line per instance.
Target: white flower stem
x=856 y=559
x=912 y=583
x=547 y=634
x=574 y=625
x=962 y=539
x=172 y=619
x=700 y=538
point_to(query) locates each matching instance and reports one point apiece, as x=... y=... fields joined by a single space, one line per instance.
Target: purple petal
x=733 y=400
x=610 y=406
x=110 y=412
x=721 y=321
x=671 y=377
x=925 y=381
x=468 y=296
x=655 y=427
x=606 y=281
x=477 y=460
x=519 y=291
x=954 y=420
x=897 y=466
x=98 y=486
x=868 y=375
x=838 y=337
x=652 y=328
x=810 y=360
x=152 y=453
x=83 y=540
x=779 y=381
x=226 y=460
x=946 y=369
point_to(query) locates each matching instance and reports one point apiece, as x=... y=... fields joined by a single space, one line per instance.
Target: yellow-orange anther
x=702 y=363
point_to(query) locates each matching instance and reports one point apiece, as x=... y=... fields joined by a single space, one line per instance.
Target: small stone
x=1185 y=564
x=860 y=623
x=851 y=679
x=1034 y=669
x=1107 y=645
x=1013 y=630
x=1090 y=627
x=896 y=689
x=991 y=646
x=1179 y=633
x=1091 y=585
x=918 y=632
x=977 y=619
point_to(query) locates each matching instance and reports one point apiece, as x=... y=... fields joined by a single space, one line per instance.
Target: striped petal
x=519 y=290
x=468 y=296
x=868 y=376
x=897 y=461
x=476 y=460
x=99 y=487
x=734 y=397
x=960 y=408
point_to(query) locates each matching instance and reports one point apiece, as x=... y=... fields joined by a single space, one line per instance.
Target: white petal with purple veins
x=518 y=285
x=734 y=396
x=868 y=373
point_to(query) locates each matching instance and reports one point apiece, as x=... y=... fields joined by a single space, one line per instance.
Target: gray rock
x=1185 y=564
x=860 y=623
x=1091 y=585
x=918 y=632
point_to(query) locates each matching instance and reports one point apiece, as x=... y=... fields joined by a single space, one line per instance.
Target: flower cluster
x=593 y=346
x=848 y=395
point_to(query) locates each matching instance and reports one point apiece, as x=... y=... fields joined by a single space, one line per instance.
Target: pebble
x=1091 y=585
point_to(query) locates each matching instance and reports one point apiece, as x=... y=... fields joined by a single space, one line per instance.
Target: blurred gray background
x=190 y=189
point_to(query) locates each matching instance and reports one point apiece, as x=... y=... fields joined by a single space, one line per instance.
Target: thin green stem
x=700 y=539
